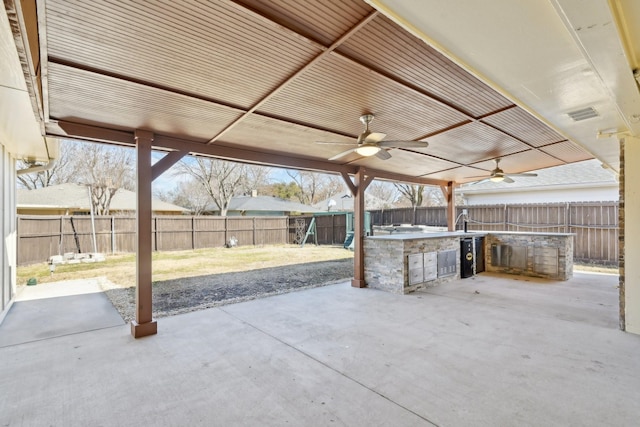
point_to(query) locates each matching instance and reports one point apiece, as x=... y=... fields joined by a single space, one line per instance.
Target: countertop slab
x=422 y=236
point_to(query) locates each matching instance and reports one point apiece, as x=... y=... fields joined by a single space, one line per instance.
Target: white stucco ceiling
x=551 y=58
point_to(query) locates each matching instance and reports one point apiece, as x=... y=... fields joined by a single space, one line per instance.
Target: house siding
x=8 y=225
x=591 y=194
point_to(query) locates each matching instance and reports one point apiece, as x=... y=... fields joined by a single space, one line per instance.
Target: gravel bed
x=197 y=293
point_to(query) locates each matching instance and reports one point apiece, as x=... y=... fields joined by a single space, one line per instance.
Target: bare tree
x=65 y=168
x=412 y=193
x=385 y=193
x=106 y=169
x=103 y=168
x=220 y=179
x=190 y=194
x=314 y=187
x=433 y=196
x=256 y=178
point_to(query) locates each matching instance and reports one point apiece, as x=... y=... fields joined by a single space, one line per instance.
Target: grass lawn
x=121 y=268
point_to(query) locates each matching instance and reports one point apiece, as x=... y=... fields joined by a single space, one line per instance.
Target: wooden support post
x=360 y=185
x=449 y=196
x=144 y=324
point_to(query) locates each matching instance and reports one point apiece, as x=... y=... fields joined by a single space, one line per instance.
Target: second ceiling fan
x=372 y=144
x=498 y=175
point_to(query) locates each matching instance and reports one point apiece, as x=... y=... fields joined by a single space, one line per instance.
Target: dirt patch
x=183 y=295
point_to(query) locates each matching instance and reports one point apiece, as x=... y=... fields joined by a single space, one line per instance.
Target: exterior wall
x=630 y=224
x=593 y=194
x=8 y=226
x=537 y=265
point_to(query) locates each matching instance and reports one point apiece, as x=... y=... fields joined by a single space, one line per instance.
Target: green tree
x=284 y=190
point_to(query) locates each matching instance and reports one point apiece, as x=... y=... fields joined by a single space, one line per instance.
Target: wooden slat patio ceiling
x=219 y=74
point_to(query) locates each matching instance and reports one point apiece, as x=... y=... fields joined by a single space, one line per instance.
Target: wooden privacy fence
x=595 y=224
x=330 y=229
x=39 y=237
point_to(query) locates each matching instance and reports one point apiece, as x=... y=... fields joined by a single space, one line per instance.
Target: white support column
x=630 y=229
x=144 y=324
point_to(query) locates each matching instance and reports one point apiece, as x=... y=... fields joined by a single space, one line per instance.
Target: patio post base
x=358 y=283
x=139 y=330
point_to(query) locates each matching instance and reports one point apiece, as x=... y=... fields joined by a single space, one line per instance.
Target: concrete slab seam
x=329 y=367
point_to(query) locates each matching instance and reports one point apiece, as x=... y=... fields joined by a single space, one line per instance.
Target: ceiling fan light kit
x=371 y=143
x=368 y=150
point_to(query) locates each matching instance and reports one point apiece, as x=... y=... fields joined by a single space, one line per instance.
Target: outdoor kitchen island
x=402 y=263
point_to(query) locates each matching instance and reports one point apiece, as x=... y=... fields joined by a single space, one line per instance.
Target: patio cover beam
x=65 y=129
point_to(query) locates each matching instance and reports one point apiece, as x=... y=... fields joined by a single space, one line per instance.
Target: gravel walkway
x=197 y=293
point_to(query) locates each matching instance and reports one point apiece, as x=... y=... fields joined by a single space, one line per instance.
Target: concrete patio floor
x=489 y=351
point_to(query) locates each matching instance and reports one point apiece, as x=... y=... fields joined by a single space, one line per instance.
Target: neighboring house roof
x=263 y=203
x=589 y=173
x=344 y=202
x=75 y=196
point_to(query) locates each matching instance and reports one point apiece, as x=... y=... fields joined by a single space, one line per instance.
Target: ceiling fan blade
x=506 y=179
x=336 y=143
x=344 y=153
x=478 y=176
x=383 y=154
x=486 y=179
x=404 y=144
x=374 y=137
x=521 y=174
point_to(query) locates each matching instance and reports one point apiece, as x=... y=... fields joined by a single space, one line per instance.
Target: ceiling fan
x=372 y=144
x=498 y=175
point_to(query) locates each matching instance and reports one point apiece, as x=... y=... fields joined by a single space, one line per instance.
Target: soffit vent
x=583 y=114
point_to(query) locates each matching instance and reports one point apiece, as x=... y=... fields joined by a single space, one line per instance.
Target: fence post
x=333 y=229
x=506 y=226
x=193 y=232
x=254 y=230
x=60 y=241
x=113 y=234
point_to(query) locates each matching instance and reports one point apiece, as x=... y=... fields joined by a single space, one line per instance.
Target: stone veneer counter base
x=403 y=263
x=545 y=255
x=392 y=262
